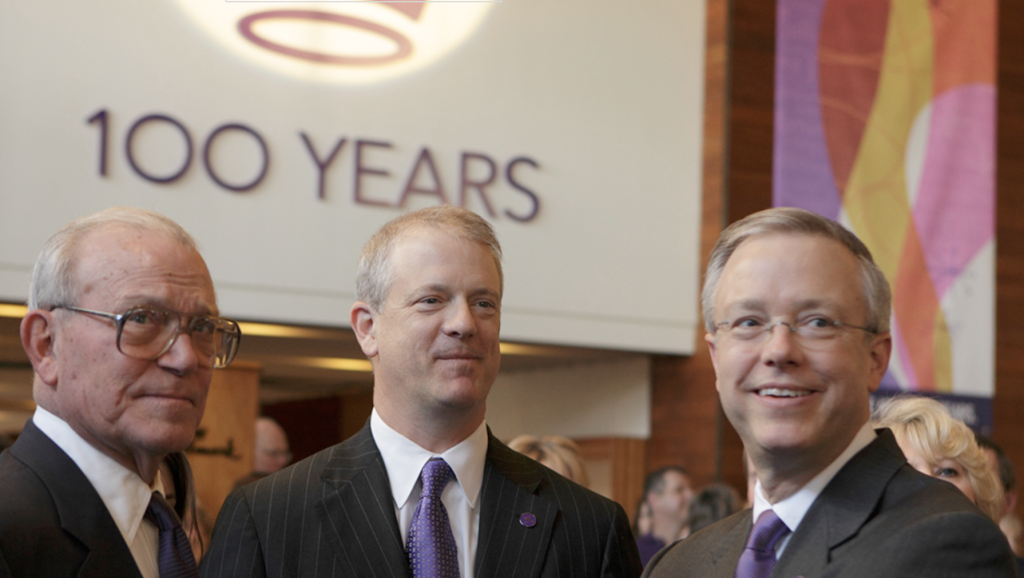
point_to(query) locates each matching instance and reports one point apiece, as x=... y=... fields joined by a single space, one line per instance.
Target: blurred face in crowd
x=792 y=398
x=943 y=468
x=272 y=451
x=674 y=497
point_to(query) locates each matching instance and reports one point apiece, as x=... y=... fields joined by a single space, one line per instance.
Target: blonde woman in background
x=556 y=452
x=937 y=444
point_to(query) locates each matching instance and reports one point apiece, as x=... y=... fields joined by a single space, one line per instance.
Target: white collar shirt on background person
x=793 y=509
x=123 y=492
x=404 y=459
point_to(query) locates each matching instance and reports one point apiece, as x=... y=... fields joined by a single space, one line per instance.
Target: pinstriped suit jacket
x=332 y=514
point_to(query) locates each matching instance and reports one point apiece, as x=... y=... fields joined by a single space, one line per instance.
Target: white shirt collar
x=124 y=493
x=404 y=458
x=793 y=509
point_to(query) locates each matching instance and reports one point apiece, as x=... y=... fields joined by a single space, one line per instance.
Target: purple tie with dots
x=432 y=550
x=758 y=558
x=174 y=557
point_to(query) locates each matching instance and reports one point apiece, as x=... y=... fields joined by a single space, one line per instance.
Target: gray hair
x=53 y=278
x=375 y=275
x=789 y=220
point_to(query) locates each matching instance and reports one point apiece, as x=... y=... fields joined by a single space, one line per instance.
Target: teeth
x=776 y=392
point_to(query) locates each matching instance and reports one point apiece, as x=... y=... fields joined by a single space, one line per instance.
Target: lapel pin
x=527 y=520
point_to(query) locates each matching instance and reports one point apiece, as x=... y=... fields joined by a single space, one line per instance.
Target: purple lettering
x=322 y=165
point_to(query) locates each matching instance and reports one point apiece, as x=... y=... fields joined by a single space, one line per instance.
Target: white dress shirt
x=404 y=459
x=124 y=493
x=793 y=509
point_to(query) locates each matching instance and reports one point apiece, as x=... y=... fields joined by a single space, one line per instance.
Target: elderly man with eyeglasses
x=797 y=319
x=123 y=334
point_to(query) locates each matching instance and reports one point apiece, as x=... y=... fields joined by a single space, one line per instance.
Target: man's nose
x=460 y=321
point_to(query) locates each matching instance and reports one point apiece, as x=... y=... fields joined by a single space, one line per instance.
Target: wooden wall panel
x=311 y=424
x=624 y=458
x=223 y=449
x=1008 y=413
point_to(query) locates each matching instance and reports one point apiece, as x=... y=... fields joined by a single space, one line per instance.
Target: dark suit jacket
x=333 y=515
x=52 y=521
x=877 y=518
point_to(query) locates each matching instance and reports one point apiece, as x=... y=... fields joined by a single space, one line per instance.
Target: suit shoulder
x=25 y=500
x=942 y=543
x=716 y=546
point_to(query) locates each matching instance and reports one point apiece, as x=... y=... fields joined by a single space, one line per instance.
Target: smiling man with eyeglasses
x=797 y=319
x=123 y=334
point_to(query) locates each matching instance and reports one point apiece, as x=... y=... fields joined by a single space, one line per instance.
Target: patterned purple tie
x=174 y=559
x=758 y=558
x=432 y=550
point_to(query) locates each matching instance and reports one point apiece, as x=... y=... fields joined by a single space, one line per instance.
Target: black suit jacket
x=52 y=521
x=877 y=518
x=333 y=515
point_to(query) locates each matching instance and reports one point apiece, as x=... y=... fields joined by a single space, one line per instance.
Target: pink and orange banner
x=885 y=121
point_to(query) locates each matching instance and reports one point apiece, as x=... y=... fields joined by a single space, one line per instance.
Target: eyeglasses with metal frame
x=814 y=329
x=147 y=332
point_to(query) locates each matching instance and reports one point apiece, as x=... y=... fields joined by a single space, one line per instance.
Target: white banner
x=283 y=134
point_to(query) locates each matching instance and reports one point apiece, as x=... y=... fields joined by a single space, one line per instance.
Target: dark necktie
x=758 y=558
x=432 y=550
x=174 y=558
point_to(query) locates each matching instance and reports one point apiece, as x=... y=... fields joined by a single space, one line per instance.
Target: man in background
x=668 y=493
x=1009 y=522
x=424 y=489
x=797 y=318
x=270 y=451
x=123 y=334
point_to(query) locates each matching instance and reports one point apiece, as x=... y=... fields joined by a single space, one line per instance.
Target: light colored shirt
x=793 y=509
x=404 y=459
x=124 y=493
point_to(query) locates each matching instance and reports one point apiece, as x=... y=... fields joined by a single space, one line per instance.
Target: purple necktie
x=174 y=559
x=432 y=550
x=758 y=558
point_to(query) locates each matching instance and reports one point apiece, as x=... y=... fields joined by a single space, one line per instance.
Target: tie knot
x=767 y=531
x=434 y=477
x=160 y=513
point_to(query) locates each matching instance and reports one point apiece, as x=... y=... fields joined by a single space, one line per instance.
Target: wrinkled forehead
x=791 y=266
x=142 y=264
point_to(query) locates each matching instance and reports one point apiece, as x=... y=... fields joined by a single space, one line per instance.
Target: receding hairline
x=375 y=273
x=55 y=279
x=877 y=304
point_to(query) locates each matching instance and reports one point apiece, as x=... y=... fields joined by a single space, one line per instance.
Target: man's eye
x=203 y=325
x=431 y=301
x=145 y=317
x=485 y=304
x=818 y=322
x=747 y=323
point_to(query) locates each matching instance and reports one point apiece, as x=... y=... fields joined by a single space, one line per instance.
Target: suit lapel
x=510 y=542
x=81 y=510
x=358 y=510
x=725 y=553
x=843 y=508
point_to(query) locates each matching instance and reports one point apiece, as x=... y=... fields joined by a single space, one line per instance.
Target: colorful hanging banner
x=885 y=121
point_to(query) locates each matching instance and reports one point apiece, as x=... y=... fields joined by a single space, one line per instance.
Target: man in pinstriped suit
x=429 y=290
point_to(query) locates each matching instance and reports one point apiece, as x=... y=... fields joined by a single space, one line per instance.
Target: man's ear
x=37 y=338
x=363 y=319
x=880 y=350
x=709 y=338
